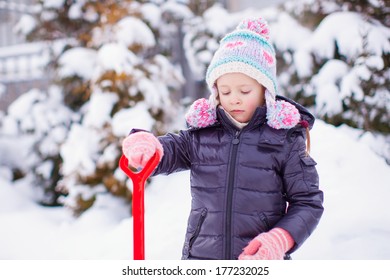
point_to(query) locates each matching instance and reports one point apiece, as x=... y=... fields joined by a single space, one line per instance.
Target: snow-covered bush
x=128 y=85
x=341 y=67
x=32 y=132
x=203 y=35
x=112 y=78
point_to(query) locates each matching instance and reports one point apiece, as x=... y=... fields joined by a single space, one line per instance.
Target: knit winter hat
x=246 y=50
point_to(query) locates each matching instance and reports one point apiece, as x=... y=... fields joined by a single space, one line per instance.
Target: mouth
x=237 y=111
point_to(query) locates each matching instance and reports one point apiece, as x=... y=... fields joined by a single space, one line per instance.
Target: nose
x=235 y=100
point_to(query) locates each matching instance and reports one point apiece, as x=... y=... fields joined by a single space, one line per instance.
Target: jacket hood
x=283 y=114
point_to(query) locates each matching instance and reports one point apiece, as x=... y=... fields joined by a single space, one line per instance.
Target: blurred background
x=77 y=75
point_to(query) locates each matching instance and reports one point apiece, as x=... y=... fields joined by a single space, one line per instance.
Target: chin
x=242 y=120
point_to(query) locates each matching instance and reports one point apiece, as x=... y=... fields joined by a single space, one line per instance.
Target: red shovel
x=139 y=180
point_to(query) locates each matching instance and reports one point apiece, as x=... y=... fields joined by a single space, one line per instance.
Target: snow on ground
x=355 y=225
x=356 y=221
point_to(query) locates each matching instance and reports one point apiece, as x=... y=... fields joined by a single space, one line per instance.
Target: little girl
x=254 y=187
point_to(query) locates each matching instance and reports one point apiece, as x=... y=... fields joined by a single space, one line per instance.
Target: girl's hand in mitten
x=271 y=245
x=139 y=147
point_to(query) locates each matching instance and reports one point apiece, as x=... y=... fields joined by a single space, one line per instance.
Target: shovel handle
x=142 y=175
x=138 y=209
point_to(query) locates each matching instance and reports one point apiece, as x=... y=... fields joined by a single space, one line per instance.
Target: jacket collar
x=258 y=118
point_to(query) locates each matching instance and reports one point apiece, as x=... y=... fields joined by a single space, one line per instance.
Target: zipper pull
x=235 y=140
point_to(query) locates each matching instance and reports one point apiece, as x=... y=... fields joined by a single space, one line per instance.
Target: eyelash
x=243 y=92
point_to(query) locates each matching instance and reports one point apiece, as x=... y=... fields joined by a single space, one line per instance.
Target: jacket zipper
x=229 y=200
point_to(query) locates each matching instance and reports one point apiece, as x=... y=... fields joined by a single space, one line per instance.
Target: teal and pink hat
x=246 y=50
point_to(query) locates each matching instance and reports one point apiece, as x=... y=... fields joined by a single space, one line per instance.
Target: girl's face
x=240 y=95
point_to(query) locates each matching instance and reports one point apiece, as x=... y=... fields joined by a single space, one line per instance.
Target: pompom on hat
x=247 y=50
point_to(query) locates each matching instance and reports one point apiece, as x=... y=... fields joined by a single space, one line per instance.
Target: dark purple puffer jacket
x=242 y=182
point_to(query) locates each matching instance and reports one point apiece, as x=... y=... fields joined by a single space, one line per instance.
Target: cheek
x=252 y=107
x=223 y=100
x=255 y=101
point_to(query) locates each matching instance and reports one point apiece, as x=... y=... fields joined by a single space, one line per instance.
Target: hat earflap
x=281 y=114
x=202 y=113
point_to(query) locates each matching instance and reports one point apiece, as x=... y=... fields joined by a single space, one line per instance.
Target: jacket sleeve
x=305 y=199
x=176 y=153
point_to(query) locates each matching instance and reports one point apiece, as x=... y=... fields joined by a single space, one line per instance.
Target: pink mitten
x=271 y=245
x=139 y=147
